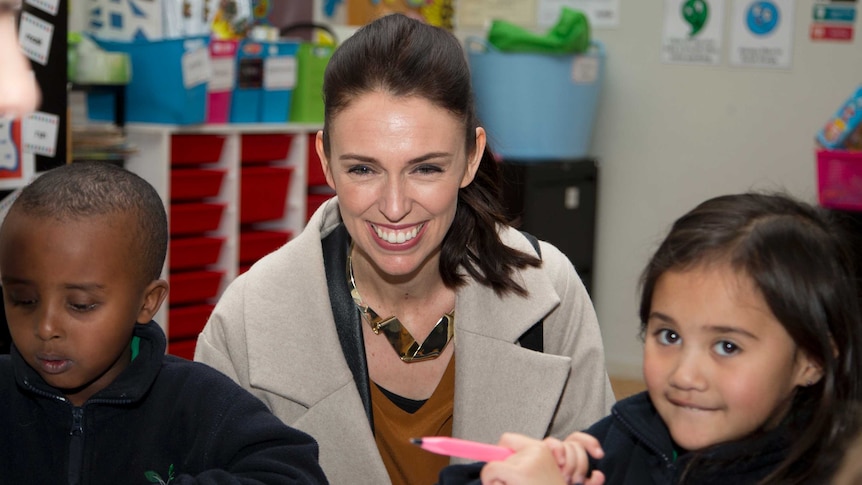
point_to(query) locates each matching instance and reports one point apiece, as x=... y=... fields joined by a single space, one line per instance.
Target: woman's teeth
x=397 y=237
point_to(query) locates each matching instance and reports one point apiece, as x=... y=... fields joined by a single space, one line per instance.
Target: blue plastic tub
x=266 y=76
x=536 y=107
x=160 y=91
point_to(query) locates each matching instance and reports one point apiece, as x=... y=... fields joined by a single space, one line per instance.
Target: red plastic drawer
x=194 y=252
x=188 y=321
x=313 y=202
x=184 y=348
x=254 y=245
x=243 y=268
x=195 y=218
x=194 y=286
x=315 y=170
x=196 y=149
x=258 y=148
x=263 y=193
x=195 y=183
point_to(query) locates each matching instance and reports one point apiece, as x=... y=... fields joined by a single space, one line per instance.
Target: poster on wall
x=16 y=167
x=692 y=32
x=833 y=21
x=602 y=13
x=477 y=14
x=762 y=33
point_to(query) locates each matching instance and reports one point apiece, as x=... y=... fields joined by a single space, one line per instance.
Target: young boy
x=88 y=394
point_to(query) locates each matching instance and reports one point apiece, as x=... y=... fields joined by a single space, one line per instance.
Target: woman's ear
x=154 y=296
x=474 y=158
x=324 y=162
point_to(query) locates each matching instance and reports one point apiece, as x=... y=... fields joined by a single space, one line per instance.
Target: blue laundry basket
x=536 y=107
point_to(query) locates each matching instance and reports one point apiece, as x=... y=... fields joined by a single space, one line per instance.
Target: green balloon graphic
x=695 y=12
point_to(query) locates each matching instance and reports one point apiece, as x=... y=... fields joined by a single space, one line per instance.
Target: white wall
x=669 y=136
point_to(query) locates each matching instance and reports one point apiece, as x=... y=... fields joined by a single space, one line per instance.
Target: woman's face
x=396 y=164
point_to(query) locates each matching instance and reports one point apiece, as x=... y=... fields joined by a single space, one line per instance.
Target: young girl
x=750 y=317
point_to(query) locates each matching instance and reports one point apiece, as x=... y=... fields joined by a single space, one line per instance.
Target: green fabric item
x=136 y=346
x=570 y=35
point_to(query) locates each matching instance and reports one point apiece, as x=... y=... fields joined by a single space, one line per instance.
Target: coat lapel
x=500 y=386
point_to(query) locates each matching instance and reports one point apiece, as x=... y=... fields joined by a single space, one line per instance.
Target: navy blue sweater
x=639 y=451
x=164 y=418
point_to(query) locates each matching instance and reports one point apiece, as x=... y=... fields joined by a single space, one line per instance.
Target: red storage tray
x=195 y=218
x=315 y=170
x=183 y=348
x=194 y=286
x=268 y=147
x=195 y=183
x=194 y=252
x=254 y=245
x=263 y=193
x=196 y=149
x=313 y=202
x=188 y=321
x=839 y=179
x=243 y=268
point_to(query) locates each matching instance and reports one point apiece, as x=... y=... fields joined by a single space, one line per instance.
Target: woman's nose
x=395 y=201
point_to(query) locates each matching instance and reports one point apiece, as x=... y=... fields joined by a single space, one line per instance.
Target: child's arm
x=548 y=462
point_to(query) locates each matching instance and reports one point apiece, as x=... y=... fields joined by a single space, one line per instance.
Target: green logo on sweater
x=154 y=477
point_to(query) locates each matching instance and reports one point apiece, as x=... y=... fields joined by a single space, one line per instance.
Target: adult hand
x=19 y=94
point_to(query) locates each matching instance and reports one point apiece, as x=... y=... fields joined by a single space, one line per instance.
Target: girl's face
x=717 y=363
x=396 y=164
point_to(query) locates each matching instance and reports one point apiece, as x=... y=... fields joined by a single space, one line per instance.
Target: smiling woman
x=398 y=311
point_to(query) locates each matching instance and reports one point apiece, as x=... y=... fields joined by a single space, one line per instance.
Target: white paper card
x=585 y=69
x=8 y=151
x=47 y=6
x=762 y=33
x=34 y=35
x=196 y=67
x=692 y=32
x=602 y=13
x=223 y=76
x=39 y=133
x=279 y=72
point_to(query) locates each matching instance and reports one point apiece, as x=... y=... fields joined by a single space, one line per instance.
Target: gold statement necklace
x=401 y=340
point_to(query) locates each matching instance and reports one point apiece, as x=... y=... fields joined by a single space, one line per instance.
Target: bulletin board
x=435 y=12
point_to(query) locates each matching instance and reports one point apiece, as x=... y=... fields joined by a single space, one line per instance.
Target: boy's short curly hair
x=87 y=189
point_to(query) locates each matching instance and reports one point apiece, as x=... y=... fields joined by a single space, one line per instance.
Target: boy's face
x=73 y=291
x=718 y=364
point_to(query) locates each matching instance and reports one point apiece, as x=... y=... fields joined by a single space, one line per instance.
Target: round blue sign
x=762 y=17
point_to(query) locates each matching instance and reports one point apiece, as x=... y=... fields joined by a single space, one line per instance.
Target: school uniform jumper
x=163 y=418
x=278 y=330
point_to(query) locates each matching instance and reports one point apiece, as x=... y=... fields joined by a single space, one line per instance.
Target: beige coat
x=273 y=332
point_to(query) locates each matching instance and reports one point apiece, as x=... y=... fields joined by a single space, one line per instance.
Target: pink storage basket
x=839 y=179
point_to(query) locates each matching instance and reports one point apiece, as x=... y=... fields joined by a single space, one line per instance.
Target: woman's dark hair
x=405 y=57
x=796 y=257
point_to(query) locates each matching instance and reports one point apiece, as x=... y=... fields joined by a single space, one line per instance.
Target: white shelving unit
x=153 y=161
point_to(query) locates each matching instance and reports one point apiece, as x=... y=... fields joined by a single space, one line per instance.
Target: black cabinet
x=556 y=202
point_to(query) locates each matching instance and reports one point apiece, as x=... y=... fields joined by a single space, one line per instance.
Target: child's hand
x=548 y=462
x=572 y=459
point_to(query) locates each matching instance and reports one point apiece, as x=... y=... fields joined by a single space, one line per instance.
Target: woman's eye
x=726 y=348
x=428 y=169
x=667 y=337
x=360 y=170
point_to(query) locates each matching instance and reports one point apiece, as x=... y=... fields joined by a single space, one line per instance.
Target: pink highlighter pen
x=471 y=450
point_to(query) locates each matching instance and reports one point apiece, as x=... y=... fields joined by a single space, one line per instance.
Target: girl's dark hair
x=796 y=256
x=405 y=57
